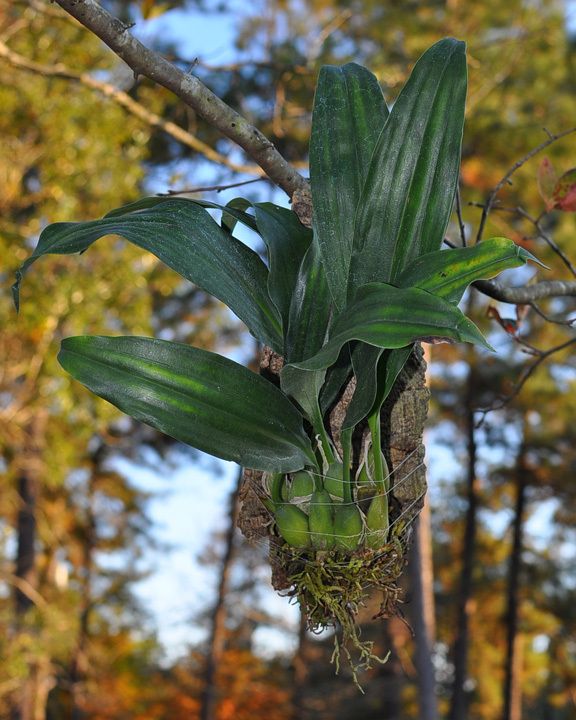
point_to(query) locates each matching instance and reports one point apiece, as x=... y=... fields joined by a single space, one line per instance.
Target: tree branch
x=496 y=189
x=187 y=87
x=128 y=103
x=527 y=294
x=526 y=373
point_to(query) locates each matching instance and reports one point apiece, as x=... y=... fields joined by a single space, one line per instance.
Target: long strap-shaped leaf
x=349 y=114
x=309 y=317
x=447 y=273
x=195 y=396
x=409 y=192
x=187 y=239
x=391 y=317
x=287 y=241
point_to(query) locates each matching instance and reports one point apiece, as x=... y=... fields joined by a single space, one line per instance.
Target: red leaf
x=564 y=194
x=547 y=181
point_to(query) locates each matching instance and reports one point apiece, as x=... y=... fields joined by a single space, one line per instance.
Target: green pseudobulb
x=321 y=519
x=347 y=527
x=292 y=524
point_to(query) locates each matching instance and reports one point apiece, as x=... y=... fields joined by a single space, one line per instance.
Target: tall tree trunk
x=423 y=615
x=218 y=632
x=26 y=542
x=31 y=700
x=78 y=664
x=512 y=687
x=300 y=671
x=458 y=705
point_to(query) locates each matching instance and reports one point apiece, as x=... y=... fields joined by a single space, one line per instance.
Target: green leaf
x=310 y=308
x=389 y=368
x=309 y=317
x=349 y=114
x=336 y=376
x=410 y=186
x=390 y=317
x=365 y=363
x=287 y=241
x=195 y=396
x=447 y=273
x=304 y=387
x=187 y=239
x=234 y=210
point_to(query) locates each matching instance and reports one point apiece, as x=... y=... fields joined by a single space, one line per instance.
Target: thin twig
x=460 y=218
x=217 y=188
x=549 y=318
x=517 y=210
x=524 y=376
x=548 y=240
x=144 y=61
x=128 y=103
x=496 y=189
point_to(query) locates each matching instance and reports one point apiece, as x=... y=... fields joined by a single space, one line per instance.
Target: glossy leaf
x=304 y=387
x=310 y=308
x=409 y=192
x=336 y=377
x=447 y=273
x=195 y=396
x=287 y=241
x=309 y=317
x=349 y=114
x=187 y=239
x=365 y=363
x=234 y=210
x=390 y=317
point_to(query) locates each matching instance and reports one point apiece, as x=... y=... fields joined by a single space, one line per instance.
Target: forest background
x=117 y=561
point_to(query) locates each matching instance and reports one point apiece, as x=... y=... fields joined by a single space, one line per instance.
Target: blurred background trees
x=79 y=136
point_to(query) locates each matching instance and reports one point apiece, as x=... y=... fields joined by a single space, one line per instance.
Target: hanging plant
x=340 y=306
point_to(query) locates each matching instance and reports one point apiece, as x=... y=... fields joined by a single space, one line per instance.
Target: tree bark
x=30 y=701
x=458 y=706
x=512 y=704
x=300 y=671
x=218 y=632
x=423 y=615
x=79 y=662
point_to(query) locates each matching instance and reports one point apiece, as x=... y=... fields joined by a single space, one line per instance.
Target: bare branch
x=527 y=294
x=526 y=373
x=461 y=225
x=128 y=103
x=549 y=318
x=187 y=87
x=208 y=188
x=496 y=189
x=537 y=222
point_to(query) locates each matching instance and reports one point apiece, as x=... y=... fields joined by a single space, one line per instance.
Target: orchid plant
x=348 y=297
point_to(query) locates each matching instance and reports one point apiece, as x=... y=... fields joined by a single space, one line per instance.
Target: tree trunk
x=79 y=662
x=30 y=702
x=218 y=632
x=458 y=706
x=423 y=615
x=300 y=671
x=512 y=686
